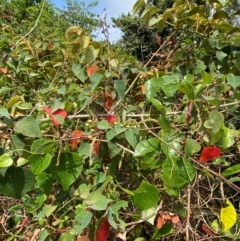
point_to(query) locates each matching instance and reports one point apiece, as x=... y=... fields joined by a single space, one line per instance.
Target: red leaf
x=107 y=94
x=111 y=119
x=189 y=112
x=207 y=230
x=91 y=69
x=48 y=110
x=108 y=104
x=209 y=153
x=103 y=231
x=50 y=46
x=96 y=147
x=160 y=221
x=55 y=122
x=109 y=100
x=4 y=70
x=77 y=138
x=175 y=219
x=60 y=112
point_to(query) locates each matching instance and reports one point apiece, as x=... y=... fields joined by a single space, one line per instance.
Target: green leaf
x=191 y=147
x=140 y=238
x=150 y=212
x=166 y=229
x=56 y=104
x=131 y=136
x=228 y=216
x=151 y=161
x=110 y=134
x=82 y=219
x=45 y=181
x=188 y=89
x=170 y=84
x=91 y=54
x=161 y=25
x=221 y=55
x=100 y=203
x=5 y=160
x=114 y=210
x=68 y=170
x=104 y=125
x=84 y=40
x=228 y=137
x=138 y=5
x=214 y=122
x=4 y=112
x=234 y=81
x=220 y=14
x=72 y=31
x=164 y=123
x=96 y=200
x=113 y=149
x=16 y=182
x=20 y=144
x=28 y=126
x=95 y=79
x=158 y=105
x=177 y=172
x=68 y=235
x=146 y=146
x=119 y=129
x=146 y=196
x=200 y=66
x=231 y=170
x=24 y=106
x=43 y=146
x=207 y=79
x=39 y=162
x=120 y=86
x=238 y=61
x=79 y=72
x=155 y=20
x=152 y=86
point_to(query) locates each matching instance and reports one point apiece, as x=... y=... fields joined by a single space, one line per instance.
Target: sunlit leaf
x=5 y=160
x=228 y=216
x=146 y=146
x=28 y=126
x=231 y=170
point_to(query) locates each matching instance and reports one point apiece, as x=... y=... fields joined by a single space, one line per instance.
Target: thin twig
x=188 y=212
x=125 y=149
x=133 y=224
x=136 y=78
x=201 y=166
x=34 y=26
x=85 y=116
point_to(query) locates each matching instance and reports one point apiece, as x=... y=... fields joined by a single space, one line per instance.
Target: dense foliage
x=96 y=146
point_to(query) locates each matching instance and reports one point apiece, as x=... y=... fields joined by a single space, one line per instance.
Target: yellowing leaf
x=228 y=216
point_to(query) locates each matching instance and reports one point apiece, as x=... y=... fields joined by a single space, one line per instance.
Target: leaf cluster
x=92 y=139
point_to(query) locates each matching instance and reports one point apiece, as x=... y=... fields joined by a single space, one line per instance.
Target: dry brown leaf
x=83 y=238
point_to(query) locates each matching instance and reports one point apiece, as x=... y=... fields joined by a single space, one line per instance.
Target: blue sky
x=114 y=9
